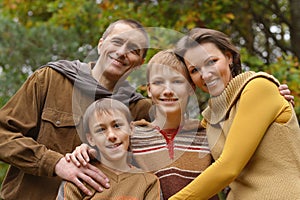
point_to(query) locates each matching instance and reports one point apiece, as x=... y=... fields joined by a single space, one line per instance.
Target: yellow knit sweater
x=254 y=137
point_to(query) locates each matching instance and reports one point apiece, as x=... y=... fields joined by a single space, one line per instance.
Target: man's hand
x=77 y=175
x=81 y=155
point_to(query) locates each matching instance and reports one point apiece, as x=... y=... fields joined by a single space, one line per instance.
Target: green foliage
x=3 y=169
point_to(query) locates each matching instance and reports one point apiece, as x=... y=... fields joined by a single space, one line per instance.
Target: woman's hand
x=284 y=91
x=81 y=155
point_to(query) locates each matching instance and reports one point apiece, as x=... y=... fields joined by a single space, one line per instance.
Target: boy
x=107 y=128
x=172 y=146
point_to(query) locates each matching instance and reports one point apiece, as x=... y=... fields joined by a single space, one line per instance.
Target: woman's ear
x=229 y=56
x=90 y=139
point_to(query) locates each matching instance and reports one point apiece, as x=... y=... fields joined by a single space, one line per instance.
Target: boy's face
x=168 y=89
x=121 y=51
x=110 y=134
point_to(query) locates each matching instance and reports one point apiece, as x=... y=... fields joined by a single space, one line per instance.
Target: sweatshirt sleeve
x=259 y=96
x=153 y=190
x=69 y=191
x=18 y=131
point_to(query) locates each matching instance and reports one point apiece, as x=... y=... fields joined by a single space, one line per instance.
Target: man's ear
x=90 y=139
x=99 y=45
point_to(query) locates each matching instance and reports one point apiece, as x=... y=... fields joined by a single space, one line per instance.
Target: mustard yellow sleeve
x=260 y=104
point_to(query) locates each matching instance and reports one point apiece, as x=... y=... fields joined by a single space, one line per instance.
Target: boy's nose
x=111 y=136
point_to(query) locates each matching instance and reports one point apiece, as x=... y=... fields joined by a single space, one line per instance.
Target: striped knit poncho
x=175 y=156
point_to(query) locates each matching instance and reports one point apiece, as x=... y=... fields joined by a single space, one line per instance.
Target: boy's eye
x=178 y=81
x=99 y=130
x=117 y=125
x=157 y=82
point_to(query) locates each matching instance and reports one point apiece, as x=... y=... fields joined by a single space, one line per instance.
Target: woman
x=253 y=132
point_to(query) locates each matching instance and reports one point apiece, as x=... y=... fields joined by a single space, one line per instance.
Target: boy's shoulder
x=192 y=124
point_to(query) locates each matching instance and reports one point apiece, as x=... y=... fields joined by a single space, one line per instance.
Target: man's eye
x=117 y=42
x=134 y=49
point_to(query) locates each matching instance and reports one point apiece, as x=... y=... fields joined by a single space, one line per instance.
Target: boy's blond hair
x=168 y=58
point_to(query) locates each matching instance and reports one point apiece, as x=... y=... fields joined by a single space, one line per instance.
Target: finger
x=283 y=86
x=93 y=153
x=82 y=187
x=75 y=160
x=97 y=175
x=92 y=179
x=81 y=157
x=85 y=157
x=67 y=157
x=289 y=97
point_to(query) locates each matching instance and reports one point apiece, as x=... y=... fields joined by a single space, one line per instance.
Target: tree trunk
x=295 y=28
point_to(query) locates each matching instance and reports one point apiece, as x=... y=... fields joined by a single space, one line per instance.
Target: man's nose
x=122 y=50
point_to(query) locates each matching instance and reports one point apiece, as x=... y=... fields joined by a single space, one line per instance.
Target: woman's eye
x=194 y=70
x=212 y=62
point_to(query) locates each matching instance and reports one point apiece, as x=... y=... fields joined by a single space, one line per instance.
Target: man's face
x=121 y=51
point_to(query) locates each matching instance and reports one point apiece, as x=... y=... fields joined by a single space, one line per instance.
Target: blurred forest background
x=35 y=32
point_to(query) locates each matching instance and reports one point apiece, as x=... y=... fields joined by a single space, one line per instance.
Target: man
x=38 y=125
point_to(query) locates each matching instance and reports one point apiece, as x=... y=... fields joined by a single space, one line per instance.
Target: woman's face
x=209 y=67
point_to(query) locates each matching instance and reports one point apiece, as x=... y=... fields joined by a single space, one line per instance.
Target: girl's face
x=110 y=134
x=169 y=89
x=209 y=67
